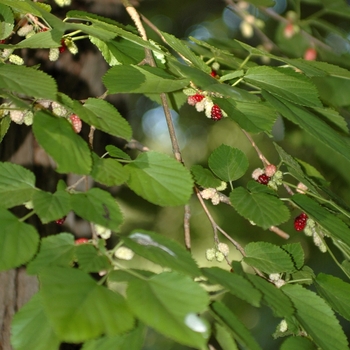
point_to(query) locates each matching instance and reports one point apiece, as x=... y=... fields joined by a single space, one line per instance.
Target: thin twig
x=260 y=154
x=187 y=230
x=134 y=144
x=279 y=232
x=91 y=136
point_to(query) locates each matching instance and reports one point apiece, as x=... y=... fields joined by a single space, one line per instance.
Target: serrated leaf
x=82 y=309
x=57 y=250
x=90 y=259
x=300 y=343
x=18 y=241
x=26 y=323
x=169 y=303
x=17 y=185
x=317 y=318
x=116 y=152
x=108 y=171
x=135 y=79
x=280 y=304
x=312 y=125
x=295 y=250
x=228 y=163
x=7 y=20
x=334 y=117
x=162 y=251
x=285 y=83
x=98 y=206
x=105 y=117
x=304 y=276
x=241 y=333
x=268 y=258
x=263 y=209
x=160 y=179
x=41 y=40
x=336 y=292
x=204 y=177
x=337 y=229
x=51 y=206
x=132 y=340
x=19 y=79
x=57 y=137
x=235 y=284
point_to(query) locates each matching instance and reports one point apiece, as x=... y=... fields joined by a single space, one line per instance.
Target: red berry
x=76 y=123
x=213 y=73
x=81 y=241
x=61 y=221
x=63 y=46
x=263 y=179
x=310 y=54
x=216 y=113
x=300 y=222
x=192 y=100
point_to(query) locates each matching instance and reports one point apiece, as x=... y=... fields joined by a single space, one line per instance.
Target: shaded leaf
x=82 y=309
x=51 y=206
x=296 y=252
x=160 y=179
x=18 y=241
x=241 y=333
x=57 y=250
x=116 y=152
x=98 y=206
x=90 y=259
x=169 y=303
x=317 y=318
x=279 y=303
x=204 y=177
x=57 y=137
x=336 y=292
x=300 y=343
x=162 y=251
x=235 y=284
x=26 y=323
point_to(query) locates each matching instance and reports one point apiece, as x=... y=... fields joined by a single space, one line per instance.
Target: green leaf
x=102 y=115
x=17 y=185
x=7 y=20
x=285 y=83
x=235 y=284
x=98 y=206
x=263 y=209
x=304 y=276
x=265 y=3
x=296 y=252
x=57 y=250
x=311 y=124
x=160 y=179
x=204 y=177
x=169 y=303
x=224 y=338
x=18 y=241
x=137 y=79
x=230 y=320
x=19 y=79
x=90 y=259
x=268 y=258
x=108 y=171
x=336 y=228
x=317 y=318
x=336 y=292
x=51 y=206
x=5 y=123
x=57 y=137
x=41 y=40
x=116 y=152
x=279 y=303
x=183 y=49
x=300 y=343
x=132 y=340
x=26 y=323
x=228 y=163
x=80 y=309
x=162 y=251
x=334 y=118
